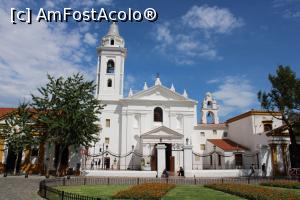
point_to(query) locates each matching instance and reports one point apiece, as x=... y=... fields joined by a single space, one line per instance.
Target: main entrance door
x=170 y=160
x=153 y=161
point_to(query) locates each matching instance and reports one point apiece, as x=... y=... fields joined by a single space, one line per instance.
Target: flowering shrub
x=145 y=191
x=255 y=192
x=282 y=183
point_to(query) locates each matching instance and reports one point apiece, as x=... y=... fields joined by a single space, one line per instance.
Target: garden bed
x=282 y=184
x=255 y=192
x=145 y=191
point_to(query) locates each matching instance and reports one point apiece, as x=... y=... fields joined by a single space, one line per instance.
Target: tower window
x=109 y=83
x=158 y=114
x=110 y=67
x=112 y=42
x=210 y=118
x=209 y=104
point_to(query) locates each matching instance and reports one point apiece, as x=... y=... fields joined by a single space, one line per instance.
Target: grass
x=106 y=191
x=193 y=192
x=188 y=192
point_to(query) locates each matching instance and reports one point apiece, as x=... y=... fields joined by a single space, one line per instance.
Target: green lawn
x=189 y=192
x=94 y=190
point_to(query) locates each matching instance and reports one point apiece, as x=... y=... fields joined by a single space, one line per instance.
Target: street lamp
x=215 y=164
x=132 y=156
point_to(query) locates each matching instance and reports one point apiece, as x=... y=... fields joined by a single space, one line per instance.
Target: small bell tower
x=110 y=67
x=209 y=110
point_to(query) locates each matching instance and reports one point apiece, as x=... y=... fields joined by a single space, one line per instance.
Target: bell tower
x=110 y=67
x=209 y=110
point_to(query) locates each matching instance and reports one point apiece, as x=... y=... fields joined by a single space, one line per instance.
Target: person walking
x=252 y=171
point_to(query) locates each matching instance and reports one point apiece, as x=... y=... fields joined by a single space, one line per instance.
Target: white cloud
x=219 y=20
x=184 y=48
x=163 y=34
x=29 y=52
x=291 y=14
x=183 y=43
x=90 y=39
x=288 y=9
x=234 y=94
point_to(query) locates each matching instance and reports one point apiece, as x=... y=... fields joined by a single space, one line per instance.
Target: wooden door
x=153 y=163
x=172 y=165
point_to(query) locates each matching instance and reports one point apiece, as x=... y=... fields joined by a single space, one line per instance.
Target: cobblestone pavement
x=19 y=188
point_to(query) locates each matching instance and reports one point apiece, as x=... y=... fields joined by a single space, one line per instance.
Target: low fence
x=47 y=187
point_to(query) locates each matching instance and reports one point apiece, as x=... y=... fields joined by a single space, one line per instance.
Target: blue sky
x=225 y=47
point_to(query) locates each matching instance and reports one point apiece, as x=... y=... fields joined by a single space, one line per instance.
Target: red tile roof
x=227 y=145
x=4 y=111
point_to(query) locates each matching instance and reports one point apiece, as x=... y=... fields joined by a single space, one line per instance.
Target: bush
x=145 y=191
x=254 y=192
x=283 y=184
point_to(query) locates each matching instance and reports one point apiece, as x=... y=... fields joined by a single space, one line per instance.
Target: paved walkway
x=19 y=188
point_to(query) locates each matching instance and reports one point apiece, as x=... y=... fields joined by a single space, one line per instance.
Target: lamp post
x=132 y=156
x=214 y=157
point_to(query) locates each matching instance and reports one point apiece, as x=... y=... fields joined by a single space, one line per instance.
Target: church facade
x=157 y=129
x=149 y=129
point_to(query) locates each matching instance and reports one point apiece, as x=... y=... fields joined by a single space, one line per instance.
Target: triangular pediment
x=159 y=92
x=162 y=132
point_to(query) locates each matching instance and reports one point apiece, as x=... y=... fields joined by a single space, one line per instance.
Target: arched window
x=209 y=104
x=112 y=42
x=110 y=67
x=109 y=83
x=210 y=118
x=158 y=114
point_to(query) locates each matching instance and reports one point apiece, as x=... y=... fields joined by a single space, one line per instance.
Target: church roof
x=159 y=92
x=5 y=111
x=250 y=113
x=227 y=144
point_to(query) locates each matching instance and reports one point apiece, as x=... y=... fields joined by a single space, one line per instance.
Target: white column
x=187 y=158
x=161 y=158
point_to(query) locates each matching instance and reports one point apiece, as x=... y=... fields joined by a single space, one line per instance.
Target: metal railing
x=47 y=187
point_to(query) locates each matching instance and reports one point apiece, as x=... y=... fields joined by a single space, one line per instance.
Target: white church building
x=157 y=128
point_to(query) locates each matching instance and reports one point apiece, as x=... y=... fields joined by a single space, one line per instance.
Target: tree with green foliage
x=18 y=131
x=68 y=112
x=284 y=97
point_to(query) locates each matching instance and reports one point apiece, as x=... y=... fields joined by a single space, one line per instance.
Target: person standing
x=252 y=171
x=263 y=170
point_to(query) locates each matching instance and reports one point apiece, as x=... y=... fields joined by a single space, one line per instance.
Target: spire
x=185 y=94
x=172 y=88
x=130 y=93
x=113 y=29
x=157 y=81
x=145 y=86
